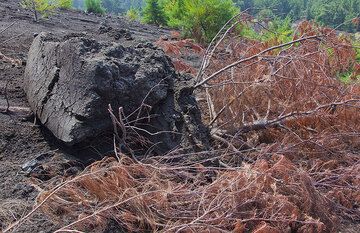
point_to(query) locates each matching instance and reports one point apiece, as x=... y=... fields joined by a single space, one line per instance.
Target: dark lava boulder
x=70 y=82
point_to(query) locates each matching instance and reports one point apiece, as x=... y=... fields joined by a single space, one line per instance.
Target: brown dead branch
x=212 y=76
x=264 y=123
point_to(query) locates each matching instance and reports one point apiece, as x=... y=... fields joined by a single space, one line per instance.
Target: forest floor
x=22 y=140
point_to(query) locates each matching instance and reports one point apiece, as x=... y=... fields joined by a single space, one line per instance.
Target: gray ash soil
x=22 y=141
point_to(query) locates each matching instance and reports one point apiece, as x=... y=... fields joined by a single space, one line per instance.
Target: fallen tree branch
x=253 y=57
x=263 y=124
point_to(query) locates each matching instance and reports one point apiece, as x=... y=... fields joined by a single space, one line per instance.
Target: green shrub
x=94 y=6
x=153 y=13
x=279 y=30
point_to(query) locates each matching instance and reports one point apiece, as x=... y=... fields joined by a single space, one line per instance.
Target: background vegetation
x=330 y=13
x=45 y=7
x=201 y=19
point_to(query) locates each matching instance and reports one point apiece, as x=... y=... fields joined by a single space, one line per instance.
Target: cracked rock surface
x=70 y=82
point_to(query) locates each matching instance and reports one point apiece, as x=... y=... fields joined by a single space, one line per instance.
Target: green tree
x=153 y=13
x=133 y=14
x=334 y=13
x=94 y=6
x=121 y=6
x=175 y=11
x=64 y=4
x=113 y=6
x=45 y=7
x=245 y=5
x=200 y=19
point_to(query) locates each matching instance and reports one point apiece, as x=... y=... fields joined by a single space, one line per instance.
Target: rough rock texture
x=70 y=81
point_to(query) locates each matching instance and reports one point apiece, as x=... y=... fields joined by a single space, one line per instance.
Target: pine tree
x=94 y=6
x=154 y=13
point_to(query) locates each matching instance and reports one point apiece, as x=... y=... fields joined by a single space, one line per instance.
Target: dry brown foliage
x=143 y=197
x=289 y=102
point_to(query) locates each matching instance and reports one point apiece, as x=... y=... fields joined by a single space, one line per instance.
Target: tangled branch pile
x=272 y=195
x=285 y=158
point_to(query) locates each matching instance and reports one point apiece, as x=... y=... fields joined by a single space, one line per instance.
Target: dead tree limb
x=263 y=124
x=201 y=83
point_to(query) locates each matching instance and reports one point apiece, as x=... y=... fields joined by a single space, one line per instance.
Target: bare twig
x=9 y=26
x=218 y=38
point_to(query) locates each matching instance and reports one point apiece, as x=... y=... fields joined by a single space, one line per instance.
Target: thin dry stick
x=211 y=48
x=206 y=61
x=17 y=109
x=210 y=103
x=8 y=26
